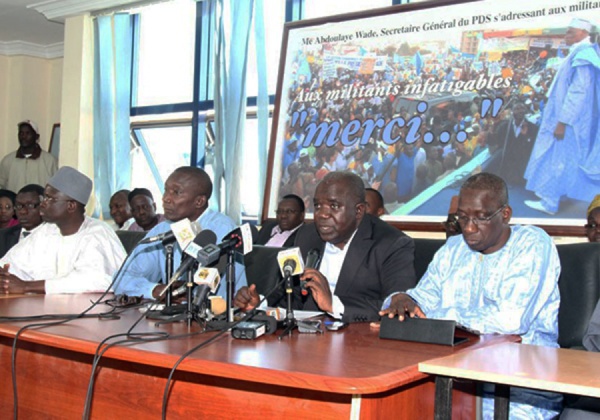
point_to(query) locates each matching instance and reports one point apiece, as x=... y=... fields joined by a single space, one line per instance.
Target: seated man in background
x=143 y=209
x=587 y=408
x=364 y=260
x=592 y=228
x=494 y=278
x=70 y=253
x=120 y=210
x=374 y=202
x=27 y=208
x=187 y=191
x=282 y=232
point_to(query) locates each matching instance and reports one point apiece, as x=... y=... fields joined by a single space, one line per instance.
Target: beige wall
x=30 y=88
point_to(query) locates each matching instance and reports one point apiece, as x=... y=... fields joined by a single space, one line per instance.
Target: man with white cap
x=70 y=253
x=29 y=164
x=565 y=160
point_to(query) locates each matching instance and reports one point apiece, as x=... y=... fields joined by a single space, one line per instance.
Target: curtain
x=112 y=89
x=262 y=101
x=233 y=23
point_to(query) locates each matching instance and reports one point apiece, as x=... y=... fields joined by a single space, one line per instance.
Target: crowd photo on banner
x=414 y=110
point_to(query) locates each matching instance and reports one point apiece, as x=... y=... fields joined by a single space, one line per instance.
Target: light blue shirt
x=511 y=291
x=145 y=268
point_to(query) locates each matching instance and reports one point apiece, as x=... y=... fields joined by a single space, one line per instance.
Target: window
x=164 y=72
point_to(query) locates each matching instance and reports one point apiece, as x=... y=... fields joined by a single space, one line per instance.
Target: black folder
x=421 y=330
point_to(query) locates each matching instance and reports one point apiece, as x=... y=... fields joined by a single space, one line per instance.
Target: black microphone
x=233 y=240
x=204 y=238
x=289 y=266
x=312 y=261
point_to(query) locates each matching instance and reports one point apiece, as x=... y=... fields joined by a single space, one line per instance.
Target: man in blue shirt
x=187 y=191
x=494 y=278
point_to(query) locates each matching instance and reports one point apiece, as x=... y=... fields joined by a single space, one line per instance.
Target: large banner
x=416 y=101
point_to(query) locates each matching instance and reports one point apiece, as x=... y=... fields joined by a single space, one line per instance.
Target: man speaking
x=364 y=260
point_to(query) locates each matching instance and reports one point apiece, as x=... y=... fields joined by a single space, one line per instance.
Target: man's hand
x=559 y=131
x=247 y=298
x=319 y=287
x=11 y=284
x=401 y=305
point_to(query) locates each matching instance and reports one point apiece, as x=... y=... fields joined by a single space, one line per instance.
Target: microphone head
x=242 y=238
x=290 y=261
x=205 y=237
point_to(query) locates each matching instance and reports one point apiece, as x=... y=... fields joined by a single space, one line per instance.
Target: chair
x=262 y=268
x=130 y=239
x=579 y=285
x=425 y=249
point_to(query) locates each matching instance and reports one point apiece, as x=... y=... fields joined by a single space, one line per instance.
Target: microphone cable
x=57 y=320
x=206 y=342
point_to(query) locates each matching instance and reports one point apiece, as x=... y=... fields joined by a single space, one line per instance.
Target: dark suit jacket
x=380 y=261
x=9 y=238
x=264 y=234
x=517 y=151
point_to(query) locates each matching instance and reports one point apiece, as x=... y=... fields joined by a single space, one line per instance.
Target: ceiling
x=36 y=27
x=18 y=23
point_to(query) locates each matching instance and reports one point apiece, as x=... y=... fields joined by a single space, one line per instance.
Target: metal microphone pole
x=169 y=272
x=230 y=283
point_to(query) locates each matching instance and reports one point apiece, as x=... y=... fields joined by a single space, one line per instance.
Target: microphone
x=183 y=231
x=290 y=262
x=312 y=261
x=240 y=238
x=207 y=279
x=204 y=238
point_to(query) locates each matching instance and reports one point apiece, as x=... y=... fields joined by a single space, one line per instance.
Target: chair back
x=579 y=285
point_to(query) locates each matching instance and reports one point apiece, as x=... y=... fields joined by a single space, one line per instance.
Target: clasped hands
x=10 y=283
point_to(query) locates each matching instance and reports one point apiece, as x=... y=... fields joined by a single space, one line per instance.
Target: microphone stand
x=230 y=271
x=169 y=272
x=189 y=314
x=290 y=321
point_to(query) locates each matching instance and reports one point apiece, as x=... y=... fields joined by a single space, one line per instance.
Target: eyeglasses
x=28 y=206
x=591 y=226
x=286 y=211
x=464 y=220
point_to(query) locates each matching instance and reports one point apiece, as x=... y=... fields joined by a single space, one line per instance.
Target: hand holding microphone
x=312 y=261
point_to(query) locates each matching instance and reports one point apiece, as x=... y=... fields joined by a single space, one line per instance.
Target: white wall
x=30 y=88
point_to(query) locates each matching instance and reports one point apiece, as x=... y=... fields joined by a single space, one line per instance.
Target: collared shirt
x=134 y=227
x=25 y=233
x=145 y=267
x=127 y=224
x=82 y=262
x=330 y=267
x=278 y=236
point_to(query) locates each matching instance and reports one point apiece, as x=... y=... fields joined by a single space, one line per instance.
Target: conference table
x=565 y=371
x=351 y=373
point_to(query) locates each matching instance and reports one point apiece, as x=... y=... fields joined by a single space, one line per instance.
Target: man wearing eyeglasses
x=27 y=208
x=493 y=278
x=71 y=252
x=290 y=216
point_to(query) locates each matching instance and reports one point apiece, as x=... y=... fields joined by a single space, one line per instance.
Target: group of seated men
x=493 y=277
